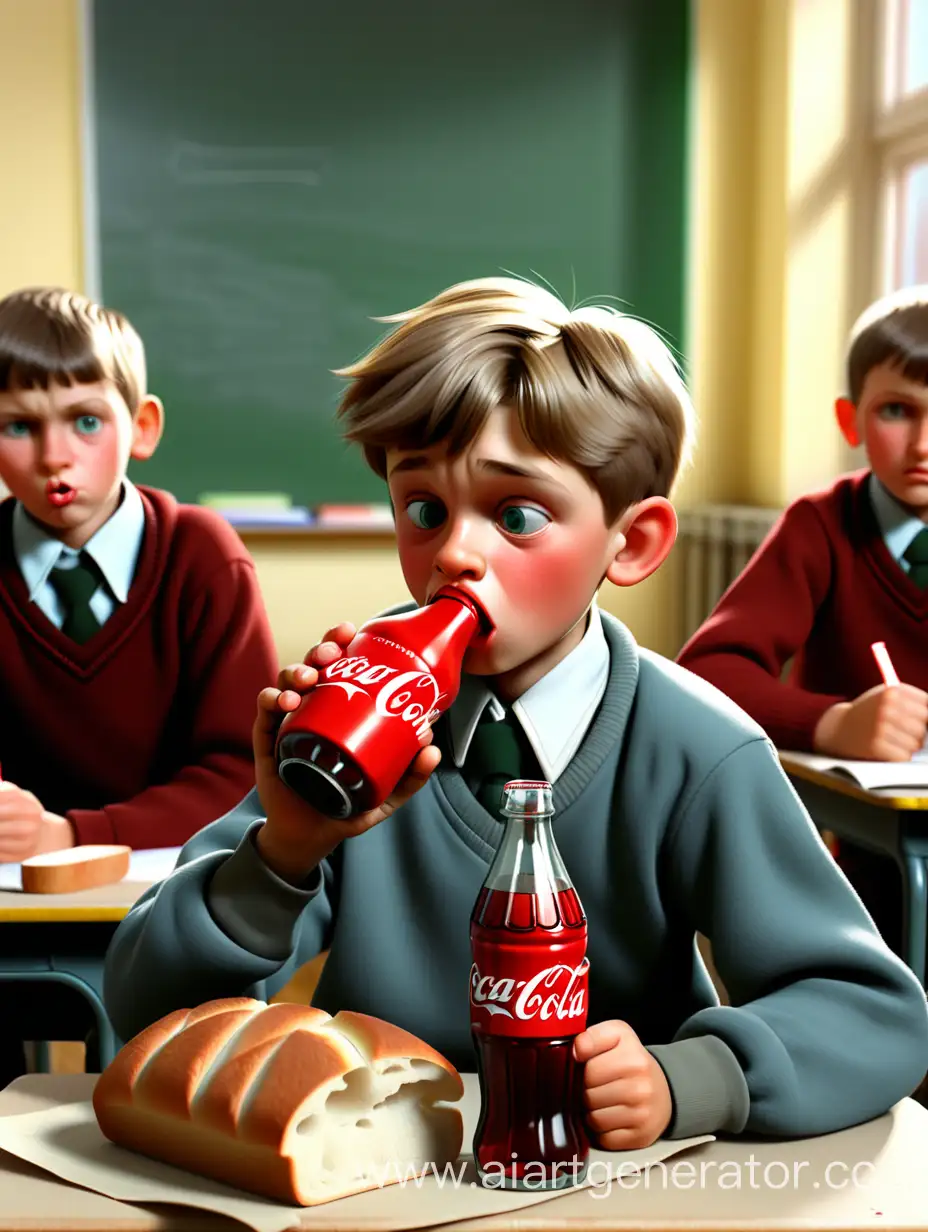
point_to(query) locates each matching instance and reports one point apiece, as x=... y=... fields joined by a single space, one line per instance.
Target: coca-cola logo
x=556 y=992
x=411 y=696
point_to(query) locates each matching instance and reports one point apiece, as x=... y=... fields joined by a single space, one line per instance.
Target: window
x=913 y=230
x=915 y=46
x=901 y=130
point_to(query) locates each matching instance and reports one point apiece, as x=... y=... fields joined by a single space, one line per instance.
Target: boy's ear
x=846 y=415
x=648 y=530
x=147 y=427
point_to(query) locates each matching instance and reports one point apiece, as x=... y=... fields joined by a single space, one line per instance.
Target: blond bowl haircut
x=50 y=335
x=591 y=387
x=894 y=330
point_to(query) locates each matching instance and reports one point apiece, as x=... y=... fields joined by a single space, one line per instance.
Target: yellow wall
x=777 y=176
x=813 y=236
x=40 y=206
x=782 y=239
x=310 y=589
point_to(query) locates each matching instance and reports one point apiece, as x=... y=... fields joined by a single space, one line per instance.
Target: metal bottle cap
x=528 y=798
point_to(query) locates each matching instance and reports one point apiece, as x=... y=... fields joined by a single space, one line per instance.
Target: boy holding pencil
x=843 y=569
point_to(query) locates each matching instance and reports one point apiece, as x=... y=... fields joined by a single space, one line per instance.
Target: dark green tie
x=499 y=752
x=75 y=588
x=917 y=556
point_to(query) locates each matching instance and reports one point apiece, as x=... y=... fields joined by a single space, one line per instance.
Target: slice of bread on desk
x=283 y=1100
x=75 y=868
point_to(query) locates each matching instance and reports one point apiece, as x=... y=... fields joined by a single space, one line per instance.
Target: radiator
x=716 y=542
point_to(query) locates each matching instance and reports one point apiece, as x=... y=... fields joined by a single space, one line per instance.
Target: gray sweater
x=673 y=817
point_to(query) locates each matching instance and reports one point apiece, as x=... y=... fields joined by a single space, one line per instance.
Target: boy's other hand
x=627 y=1097
x=296 y=837
x=26 y=828
x=887 y=723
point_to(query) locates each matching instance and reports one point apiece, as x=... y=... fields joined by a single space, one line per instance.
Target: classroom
x=775 y=202
x=257 y=186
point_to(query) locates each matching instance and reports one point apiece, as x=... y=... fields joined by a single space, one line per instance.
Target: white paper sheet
x=66 y=1141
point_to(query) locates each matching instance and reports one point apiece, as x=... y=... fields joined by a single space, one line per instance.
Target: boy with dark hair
x=133 y=636
x=529 y=453
x=841 y=569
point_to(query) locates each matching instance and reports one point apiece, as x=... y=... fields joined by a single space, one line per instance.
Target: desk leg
x=916 y=914
x=107 y=1035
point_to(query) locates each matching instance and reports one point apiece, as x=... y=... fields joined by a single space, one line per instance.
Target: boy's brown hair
x=591 y=387
x=50 y=335
x=894 y=330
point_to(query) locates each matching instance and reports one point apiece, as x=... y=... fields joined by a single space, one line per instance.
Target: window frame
x=899 y=138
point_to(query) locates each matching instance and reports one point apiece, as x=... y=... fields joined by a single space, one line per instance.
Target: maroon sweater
x=821 y=588
x=142 y=735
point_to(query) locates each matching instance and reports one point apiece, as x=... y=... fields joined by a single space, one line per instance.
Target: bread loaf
x=283 y=1100
x=75 y=868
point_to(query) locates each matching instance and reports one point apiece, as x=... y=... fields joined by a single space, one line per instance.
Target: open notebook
x=871 y=775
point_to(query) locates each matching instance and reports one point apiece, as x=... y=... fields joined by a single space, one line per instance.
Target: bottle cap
x=528 y=798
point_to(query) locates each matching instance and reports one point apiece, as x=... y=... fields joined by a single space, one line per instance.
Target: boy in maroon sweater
x=841 y=569
x=126 y=710
x=133 y=637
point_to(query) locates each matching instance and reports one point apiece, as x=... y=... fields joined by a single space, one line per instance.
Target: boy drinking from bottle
x=529 y=453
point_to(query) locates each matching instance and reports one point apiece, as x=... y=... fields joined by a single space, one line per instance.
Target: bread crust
x=75 y=868
x=283 y=1100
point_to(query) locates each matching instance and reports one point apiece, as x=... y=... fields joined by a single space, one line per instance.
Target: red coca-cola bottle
x=349 y=743
x=528 y=1000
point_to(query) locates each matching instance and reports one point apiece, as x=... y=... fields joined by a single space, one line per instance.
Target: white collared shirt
x=555 y=712
x=114 y=548
x=897 y=525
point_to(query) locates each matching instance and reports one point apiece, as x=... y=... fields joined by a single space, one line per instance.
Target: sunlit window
x=901 y=131
x=913 y=50
x=913 y=225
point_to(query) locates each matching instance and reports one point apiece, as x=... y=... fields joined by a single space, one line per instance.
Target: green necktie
x=917 y=556
x=499 y=752
x=75 y=588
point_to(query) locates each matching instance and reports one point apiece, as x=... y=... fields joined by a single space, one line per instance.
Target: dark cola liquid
x=530 y=1133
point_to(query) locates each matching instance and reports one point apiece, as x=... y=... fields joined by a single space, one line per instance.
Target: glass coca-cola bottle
x=528 y=1001
x=350 y=741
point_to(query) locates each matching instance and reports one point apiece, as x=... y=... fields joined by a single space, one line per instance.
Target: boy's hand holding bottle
x=625 y=1091
x=295 y=836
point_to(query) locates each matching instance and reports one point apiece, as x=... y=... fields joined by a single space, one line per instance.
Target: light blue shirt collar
x=115 y=546
x=555 y=712
x=897 y=525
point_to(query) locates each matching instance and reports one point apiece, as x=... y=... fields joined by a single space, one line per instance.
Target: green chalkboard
x=272 y=174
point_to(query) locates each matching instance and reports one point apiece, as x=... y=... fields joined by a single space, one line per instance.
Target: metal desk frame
x=889 y=822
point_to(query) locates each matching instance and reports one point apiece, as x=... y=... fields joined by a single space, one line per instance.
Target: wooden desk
x=871 y=1176
x=62 y=938
x=892 y=822
x=109 y=902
